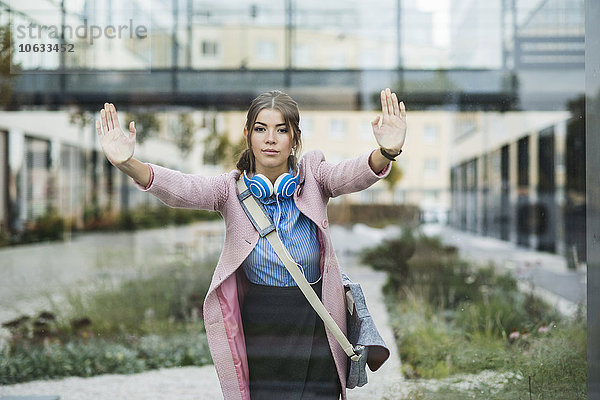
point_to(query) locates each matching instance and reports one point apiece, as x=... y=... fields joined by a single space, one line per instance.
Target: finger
x=388 y=99
x=384 y=105
x=395 y=104
x=375 y=122
x=109 y=122
x=113 y=115
x=132 y=129
x=104 y=120
x=402 y=110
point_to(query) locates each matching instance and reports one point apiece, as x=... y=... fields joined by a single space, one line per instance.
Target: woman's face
x=271 y=142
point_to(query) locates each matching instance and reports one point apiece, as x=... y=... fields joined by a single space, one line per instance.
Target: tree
x=8 y=70
x=182 y=131
x=393 y=177
x=220 y=150
x=81 y=118
x=146 y=125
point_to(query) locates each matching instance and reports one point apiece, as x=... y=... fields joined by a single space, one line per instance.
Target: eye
x=283 y=130
x=259 y=128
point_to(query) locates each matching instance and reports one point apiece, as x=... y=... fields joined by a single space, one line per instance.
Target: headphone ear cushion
x=260 y=186
x=285 y=185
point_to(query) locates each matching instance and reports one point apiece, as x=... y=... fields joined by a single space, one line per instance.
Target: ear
x=246 y=132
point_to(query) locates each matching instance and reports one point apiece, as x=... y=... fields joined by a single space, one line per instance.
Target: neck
x=272 y=173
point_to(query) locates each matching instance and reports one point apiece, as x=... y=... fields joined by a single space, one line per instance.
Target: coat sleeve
x=180 y=190
x=349 y=176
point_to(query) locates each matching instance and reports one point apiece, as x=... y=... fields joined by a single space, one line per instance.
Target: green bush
x=431 y=347
x=159 y=216
x=392 y=257
x=482 y=300
x=452 y=318
x=5 y=239
x=503 y=312
x=149 y=322
x=32 y=362
x=148 y=304
x=49 y=226
x=551 y=365
x=88 y=358
x=556 y=363
x=174 y=351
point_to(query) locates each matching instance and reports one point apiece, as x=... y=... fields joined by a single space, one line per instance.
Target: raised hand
x=117 y=145
x=389 y=128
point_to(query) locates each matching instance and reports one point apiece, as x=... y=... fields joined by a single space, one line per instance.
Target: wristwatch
x=390 y=156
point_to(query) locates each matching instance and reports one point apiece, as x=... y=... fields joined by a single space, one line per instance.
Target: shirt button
x=325 y=223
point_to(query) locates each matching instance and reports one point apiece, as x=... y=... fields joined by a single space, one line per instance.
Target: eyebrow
x=263 y=124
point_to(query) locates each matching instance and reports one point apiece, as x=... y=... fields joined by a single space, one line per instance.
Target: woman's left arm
x=389 y=129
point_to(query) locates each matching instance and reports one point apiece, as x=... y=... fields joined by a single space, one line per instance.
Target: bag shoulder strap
x=263 y=223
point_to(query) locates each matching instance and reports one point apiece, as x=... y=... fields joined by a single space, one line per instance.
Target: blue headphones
x=261 y=187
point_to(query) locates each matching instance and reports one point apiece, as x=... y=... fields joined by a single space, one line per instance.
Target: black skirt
x=288 y=353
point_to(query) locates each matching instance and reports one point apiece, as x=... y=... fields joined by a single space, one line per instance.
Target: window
x=431 y=196
x=210 y=48
x=337 y=59
x=366 y=131
x=337 y=129
x=266 y=50
x=431 y=167
x=306 y=127
x=303 y=55
x=430 y=134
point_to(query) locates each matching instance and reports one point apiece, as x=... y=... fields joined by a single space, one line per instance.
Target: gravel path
x=188 y=383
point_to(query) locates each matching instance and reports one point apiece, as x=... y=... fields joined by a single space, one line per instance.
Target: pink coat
x=319 y=180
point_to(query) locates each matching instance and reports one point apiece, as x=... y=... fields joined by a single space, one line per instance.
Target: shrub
x=503 y=312
x=148 y=304
x=149 y=322
x=373 y=214
x=49 y=226
x=55 y=360
x=392 y=257
x=174 y=351
x=556 y=363
x=93 y=357
x=449 y=318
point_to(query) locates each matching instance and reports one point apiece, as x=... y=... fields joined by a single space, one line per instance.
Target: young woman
x=265 y=339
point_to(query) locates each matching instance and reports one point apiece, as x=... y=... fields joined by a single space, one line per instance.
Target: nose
x=270 y=137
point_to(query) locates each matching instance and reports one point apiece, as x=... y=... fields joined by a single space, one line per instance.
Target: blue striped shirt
x=299 y=235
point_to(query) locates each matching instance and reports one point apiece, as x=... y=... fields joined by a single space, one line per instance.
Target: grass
x=87 y=358
x=158 y=303
x=467 y=332
x=153 y=321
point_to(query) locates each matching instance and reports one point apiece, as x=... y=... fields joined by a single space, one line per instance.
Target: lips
x=270 y=152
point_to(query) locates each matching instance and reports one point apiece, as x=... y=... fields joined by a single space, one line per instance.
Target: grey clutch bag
x=363 y=335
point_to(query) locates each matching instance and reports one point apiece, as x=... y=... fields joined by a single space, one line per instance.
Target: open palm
x=390 y=127
x=117 y=145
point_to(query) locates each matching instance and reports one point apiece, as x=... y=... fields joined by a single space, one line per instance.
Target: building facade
x=521 y=178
